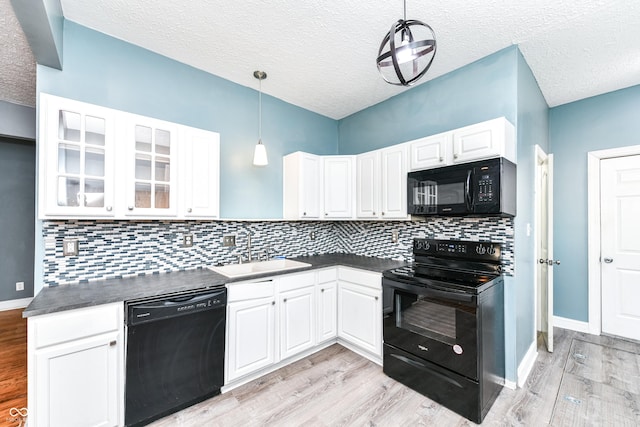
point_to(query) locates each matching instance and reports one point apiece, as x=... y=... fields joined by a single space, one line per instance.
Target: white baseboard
x=14 y=304
x=573 y=325
x=510 y=384
x=528 y=361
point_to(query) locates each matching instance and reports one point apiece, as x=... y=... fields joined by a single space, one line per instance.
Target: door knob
x=608 y=260
x=542 y=261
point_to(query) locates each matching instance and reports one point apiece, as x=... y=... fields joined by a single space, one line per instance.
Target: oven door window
x=415 y=313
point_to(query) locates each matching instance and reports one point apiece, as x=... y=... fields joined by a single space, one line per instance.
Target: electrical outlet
x=394 y=236
x=312 y=235
x=19 y=286
x=187 y=240
x=70 y=247
x=229 y=240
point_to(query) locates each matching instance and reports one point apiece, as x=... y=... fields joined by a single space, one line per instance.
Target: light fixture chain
x=405 y=10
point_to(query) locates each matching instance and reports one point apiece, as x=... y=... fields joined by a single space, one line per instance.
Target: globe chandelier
x=406 y=51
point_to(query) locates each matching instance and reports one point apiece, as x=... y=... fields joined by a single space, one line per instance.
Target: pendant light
x=260 y=152
x=406 y=51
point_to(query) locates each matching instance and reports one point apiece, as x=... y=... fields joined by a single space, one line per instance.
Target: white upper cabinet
x=302 y=186
x=394 y=182
x=493 y=138
x=338 y=172
x=368 y=185
x=430 y=152
x=76 y=149
x=151 y=188
x=81 y=145
x=381 y=183
x=201 y=166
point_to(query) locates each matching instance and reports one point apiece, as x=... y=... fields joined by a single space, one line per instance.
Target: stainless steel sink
x=260 y=267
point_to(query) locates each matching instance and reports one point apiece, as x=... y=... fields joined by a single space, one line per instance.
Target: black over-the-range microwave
x=487 y=187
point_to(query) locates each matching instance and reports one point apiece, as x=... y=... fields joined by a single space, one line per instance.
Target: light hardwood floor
x=588 y=381
x=13 y=366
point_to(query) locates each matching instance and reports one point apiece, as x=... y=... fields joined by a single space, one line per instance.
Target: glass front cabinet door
x=151 y=176
x=77 y=141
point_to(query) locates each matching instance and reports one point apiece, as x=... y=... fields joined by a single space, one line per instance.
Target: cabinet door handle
x=130 y=208
x=108 y=208
x=189 y=210
x=284 y=300
x=455 y=156
x=374 y=213
x=376 y=298
x=382 y=213
x=273 y=303
x=304 y=214
x=441 y=159
x=608 y=260
x=322 y=290
x=112 y=343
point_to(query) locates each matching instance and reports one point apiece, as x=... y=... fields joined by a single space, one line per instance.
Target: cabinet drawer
x=76 y=324
x=250 y=290
x=361 y=277
x=296 y=281
x=328 y=275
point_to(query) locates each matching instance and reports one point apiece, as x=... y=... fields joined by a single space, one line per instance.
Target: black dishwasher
x=175 y=353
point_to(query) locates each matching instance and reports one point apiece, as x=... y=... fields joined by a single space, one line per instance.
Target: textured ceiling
x=320 y=55
x=17 y=65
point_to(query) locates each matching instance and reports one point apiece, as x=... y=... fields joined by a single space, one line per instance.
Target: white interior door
x=620 y=245
x=544 y=225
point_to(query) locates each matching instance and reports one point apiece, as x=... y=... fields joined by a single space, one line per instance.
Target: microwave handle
x=468 y=196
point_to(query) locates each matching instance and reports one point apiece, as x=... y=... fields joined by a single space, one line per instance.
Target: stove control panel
x=462 y=249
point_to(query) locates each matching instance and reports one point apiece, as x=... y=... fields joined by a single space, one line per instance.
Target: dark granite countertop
x=69 y=297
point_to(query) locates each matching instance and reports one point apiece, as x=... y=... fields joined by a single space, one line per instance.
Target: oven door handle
x=448 y=295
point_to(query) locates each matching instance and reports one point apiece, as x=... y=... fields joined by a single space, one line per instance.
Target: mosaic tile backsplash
x=111 y=249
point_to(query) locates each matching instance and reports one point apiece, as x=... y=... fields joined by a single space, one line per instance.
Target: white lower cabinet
x=296 y=321
x=274 y=321
x=75 y=367
x=360 y=309
x=251 y=334
x=327 y=305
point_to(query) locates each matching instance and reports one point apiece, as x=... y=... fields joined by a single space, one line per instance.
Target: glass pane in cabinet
x=143 y=138
x=94 y=193
x=68 y=158
x=69 y=126
x=162 y=196
x=94 y=130
x=94 y=162
x=68 y=191
x=143 y=195
x=143 y=166
x=163 y=142
x=162 y=169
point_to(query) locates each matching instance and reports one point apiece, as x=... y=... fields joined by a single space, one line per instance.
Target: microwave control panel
x=485 y=188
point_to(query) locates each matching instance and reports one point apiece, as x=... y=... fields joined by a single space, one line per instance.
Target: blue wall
x=607 y=121
x=477 y=92
x=480 y=91
x=532 y=129
x=105 y=71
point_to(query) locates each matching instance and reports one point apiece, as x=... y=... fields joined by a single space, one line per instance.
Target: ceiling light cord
x=260 y=152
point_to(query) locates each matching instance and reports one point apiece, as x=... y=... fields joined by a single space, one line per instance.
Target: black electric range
x=443 y=324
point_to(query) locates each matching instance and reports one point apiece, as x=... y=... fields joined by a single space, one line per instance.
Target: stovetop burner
x=458 y=265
